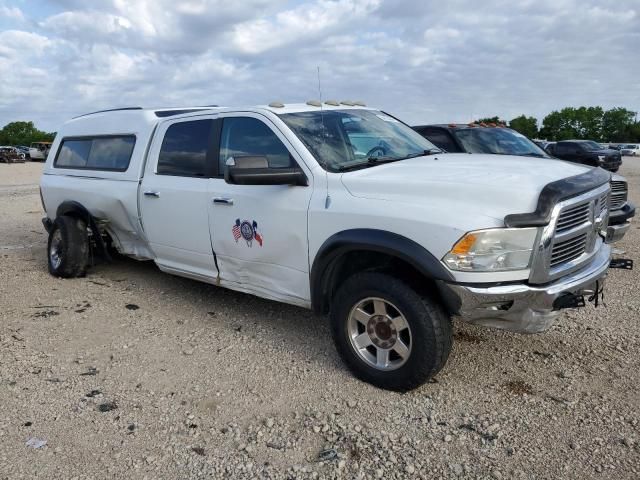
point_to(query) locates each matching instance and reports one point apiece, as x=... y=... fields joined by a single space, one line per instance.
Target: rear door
x=173 y=197
x=259 y=232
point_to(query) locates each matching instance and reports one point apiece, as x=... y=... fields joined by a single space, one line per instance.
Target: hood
x=489 y=185
x=607 y=152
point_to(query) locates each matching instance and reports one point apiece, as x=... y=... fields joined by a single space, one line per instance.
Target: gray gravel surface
x=132 y=373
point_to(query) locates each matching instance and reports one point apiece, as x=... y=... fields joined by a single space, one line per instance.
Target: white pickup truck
x=335 y=207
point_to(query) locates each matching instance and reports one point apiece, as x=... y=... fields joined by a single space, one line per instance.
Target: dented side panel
x=112 y=202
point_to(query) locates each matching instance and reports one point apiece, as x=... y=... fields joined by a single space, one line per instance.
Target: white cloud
x=300 y=24
x=424 y=61
x=11 y=13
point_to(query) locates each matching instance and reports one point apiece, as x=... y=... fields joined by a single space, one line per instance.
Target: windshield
x=500 y=141
x=630 y=147
x=341 y=139
x=591 y=146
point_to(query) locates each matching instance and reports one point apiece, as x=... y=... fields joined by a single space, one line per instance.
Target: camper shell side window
x=98 y=152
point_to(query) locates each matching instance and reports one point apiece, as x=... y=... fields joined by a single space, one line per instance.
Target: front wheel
x=387 y=333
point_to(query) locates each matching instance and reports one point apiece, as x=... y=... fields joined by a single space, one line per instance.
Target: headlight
x=494 y=250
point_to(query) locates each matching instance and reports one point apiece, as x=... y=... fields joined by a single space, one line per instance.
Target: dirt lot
x=132 y=373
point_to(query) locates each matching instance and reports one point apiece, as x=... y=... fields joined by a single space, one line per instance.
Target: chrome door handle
x=223 y=201
x=152 y=194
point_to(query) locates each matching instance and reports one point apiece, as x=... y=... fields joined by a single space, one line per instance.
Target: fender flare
x=73 y=208
x=372 y=240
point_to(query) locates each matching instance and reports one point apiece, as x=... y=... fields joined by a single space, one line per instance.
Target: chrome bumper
x=616 y=232
x=524 y=308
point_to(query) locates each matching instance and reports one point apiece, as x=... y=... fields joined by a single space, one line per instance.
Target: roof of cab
x=275 y=107
x=135 y=119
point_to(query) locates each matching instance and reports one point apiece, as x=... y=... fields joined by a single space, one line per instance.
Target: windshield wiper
x=371 y=161
x=532 y=154
x=424 y=153
x=379 y=160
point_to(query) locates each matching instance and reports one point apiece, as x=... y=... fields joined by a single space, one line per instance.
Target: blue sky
x=423 y=61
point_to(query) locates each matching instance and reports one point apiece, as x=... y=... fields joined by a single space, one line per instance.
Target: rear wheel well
x=355 y=261
x=71 y=208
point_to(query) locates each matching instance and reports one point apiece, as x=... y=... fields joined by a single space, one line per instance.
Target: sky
x=423 y=61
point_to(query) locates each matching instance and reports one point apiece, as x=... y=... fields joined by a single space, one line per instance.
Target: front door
x=259 y=232
x=173 y=197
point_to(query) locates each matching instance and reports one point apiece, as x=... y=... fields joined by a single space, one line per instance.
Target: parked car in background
x=549 y=147
x=39 y=150
x=475 y=138
x=24 y=150
x=504 y=141
x=630 y=149
x=621 y=210
x=541 y=143
x=11 y=155
x=587 y=152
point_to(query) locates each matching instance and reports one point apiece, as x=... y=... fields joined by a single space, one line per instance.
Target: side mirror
x=255 y=170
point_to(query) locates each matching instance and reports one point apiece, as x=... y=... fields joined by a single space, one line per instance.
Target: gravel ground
x=132 y=373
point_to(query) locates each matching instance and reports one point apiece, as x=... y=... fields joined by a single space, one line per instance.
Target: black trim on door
x=213 y=156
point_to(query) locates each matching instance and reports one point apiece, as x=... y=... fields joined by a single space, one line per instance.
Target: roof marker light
x=276 y=105
x=348 y=103
x=360 y=103
x=314 y=103
x=333 y=103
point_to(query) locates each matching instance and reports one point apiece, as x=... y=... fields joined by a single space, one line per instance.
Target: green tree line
x=591 y=123
x=588 y=123
x=23 y=133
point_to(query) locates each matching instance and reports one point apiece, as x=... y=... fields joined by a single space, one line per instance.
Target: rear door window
x=96 y=153
x=186 y=148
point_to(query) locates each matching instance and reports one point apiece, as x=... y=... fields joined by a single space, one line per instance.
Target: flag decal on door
x=246 y=230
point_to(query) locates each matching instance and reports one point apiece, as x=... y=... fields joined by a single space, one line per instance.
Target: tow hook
x=623 y=263
x=593 y=295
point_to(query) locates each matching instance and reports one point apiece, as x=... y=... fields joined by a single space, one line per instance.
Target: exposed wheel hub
x=381 y=331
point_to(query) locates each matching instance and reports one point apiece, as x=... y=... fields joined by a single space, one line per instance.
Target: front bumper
x=619 y=222
x=521 y=307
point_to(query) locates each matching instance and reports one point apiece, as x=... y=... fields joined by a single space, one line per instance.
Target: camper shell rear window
x=100 y=152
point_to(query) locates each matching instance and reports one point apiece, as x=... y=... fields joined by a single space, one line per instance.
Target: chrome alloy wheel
x=379 y=334
x=55 y=249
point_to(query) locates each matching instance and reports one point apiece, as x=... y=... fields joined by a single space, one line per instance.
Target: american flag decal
x=236 y=231
x=248 y=231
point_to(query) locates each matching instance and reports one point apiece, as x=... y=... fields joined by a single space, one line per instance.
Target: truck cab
x=335 y=207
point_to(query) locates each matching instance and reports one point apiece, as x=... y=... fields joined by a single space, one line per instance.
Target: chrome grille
x=572 y=217
x=619 y=194
x=572 y=237
x=568 y=250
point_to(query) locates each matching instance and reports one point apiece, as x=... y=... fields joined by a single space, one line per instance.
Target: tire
x=68 y=247
x=429 y=329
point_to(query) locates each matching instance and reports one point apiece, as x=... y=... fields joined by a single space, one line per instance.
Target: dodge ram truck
x=335 y=207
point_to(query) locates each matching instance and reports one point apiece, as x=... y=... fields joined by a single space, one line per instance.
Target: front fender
x=370 y=240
